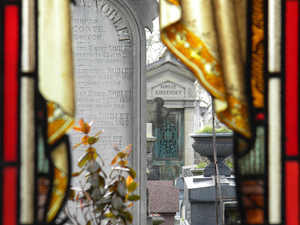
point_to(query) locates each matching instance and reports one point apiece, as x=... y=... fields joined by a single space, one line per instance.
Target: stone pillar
x=188 y=141
x=197 y=116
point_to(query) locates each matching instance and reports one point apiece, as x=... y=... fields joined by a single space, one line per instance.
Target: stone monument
x=170 y=80
x=110 y=67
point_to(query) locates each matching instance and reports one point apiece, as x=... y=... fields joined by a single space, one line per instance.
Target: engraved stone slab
x=103 y=56
x=109 y=58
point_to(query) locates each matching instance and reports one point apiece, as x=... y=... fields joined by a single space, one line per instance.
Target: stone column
x=188 y=127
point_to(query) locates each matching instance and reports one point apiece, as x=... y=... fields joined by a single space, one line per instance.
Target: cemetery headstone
x=109 y=58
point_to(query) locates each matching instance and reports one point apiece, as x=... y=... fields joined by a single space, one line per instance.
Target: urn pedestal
x=203 y=144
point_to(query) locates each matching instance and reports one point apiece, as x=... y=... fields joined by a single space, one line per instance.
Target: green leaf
x=131 y=172
x=110 y=215
x=122 y=155
x=90 y=149
x=134 y=198
x=123 y=163
x=92 y=166
x=71 y=195
x=132 y=186
x=102 y=217
x=100 y=158
x=94 y=180
x=113 y=221
x=92 y=140
x=111 y=173
x=101 y=183
x=83 y=159
x=96 y=194
x=129 y=216
x=122 y=189
x=115 y=212
x=117 y=202
x=106 y=199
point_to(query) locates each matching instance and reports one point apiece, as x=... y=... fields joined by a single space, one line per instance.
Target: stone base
x=199 y=192
x=208 y=172
x=149 y=220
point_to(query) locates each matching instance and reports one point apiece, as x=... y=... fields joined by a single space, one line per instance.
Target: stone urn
x=203 y=144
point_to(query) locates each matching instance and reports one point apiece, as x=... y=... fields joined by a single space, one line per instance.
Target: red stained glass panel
x=291 y=79
x=10 y=175
x=292 y=192
x=11 y=58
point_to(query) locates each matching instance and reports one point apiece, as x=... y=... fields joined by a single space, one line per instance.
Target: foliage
x=103 y=197
x=155 y=48
x=200 y=165
x=209 y=129
x=229 y=162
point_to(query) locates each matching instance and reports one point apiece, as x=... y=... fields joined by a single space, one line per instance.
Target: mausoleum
x=170 y=80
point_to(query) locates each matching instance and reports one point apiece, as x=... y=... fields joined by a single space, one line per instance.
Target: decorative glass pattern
x=254 y=162
x=169 y=137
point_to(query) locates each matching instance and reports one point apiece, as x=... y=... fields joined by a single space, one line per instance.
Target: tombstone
x=109 y=58
x=170 y=80
x=199 y=198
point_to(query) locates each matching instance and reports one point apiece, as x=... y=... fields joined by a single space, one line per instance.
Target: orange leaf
x=78 y=145
x=81 y=121
x=87 y=195
x=77 y=197
x=129 y=151
x=84 y=140
x=85 y=128
x=77 y=129
x=99 y=133
x=116 y=147
x=114 y=160
x=131 y=204
x=129 y=180
x=125 y=149
x=75 y=174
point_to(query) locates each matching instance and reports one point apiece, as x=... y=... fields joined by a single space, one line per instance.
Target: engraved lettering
x=161 y=92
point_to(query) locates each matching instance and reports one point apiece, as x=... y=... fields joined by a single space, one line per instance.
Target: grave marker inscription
x=109 y=58
x=103 y=56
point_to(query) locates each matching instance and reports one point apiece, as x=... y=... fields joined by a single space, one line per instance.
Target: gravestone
x=109 y=58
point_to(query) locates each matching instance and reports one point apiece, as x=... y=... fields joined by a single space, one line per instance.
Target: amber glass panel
x=253 y=200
